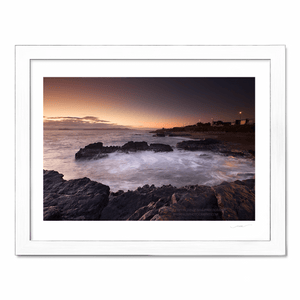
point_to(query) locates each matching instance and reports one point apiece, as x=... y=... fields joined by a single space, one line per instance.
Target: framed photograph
x=150 y=150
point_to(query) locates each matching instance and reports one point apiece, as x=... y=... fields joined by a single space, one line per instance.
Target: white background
x=175 y=230
x=155 y=22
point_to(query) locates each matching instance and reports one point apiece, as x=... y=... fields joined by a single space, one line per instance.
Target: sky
x=144 y=103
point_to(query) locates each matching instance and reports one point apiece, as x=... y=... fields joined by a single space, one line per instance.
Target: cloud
x=88 y=122
x=76 y=119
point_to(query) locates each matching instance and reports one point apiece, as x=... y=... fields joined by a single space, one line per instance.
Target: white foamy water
x=123 y=171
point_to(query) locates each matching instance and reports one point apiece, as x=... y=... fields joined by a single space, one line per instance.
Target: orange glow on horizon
x=126 y=122
x=145 y=102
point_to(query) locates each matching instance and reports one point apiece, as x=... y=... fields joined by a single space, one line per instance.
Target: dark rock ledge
x=97 y=150
x=78 y=199
x=213 y=145
x=83 y=199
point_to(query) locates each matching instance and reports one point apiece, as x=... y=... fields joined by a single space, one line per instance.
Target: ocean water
x=122 y=171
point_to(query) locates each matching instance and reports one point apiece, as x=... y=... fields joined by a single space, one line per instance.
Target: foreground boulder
x=78 y=199
x=97 y=150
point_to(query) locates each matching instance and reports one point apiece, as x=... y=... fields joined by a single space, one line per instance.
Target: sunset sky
x=145 y=102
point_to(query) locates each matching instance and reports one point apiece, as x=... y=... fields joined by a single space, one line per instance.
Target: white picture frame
x=274 y=244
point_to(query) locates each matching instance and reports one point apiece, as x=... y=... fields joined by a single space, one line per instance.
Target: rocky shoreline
x=97 y=150
x=83 y=199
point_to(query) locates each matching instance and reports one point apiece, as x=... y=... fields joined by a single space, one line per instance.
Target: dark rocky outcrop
x=236 y=199
x=160 y=148
x=83 y=199
x=122 y=205
x=194 y=145
x=213 y=145
x=159 y=134
x=228 y=201
x=78 y=199
x=197 y=203
x=97 y=150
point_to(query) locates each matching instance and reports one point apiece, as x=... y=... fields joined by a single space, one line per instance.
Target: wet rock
x=97 y=150
x=83 y=199
x=235 y=153
x=149 y=215
x=135 y=146
x=78 y=199
x=236 y=199
x=139 y=213
x=123 y=206
x=197 y=204
x=252 y=152
x=52 y=213
x=160 y=148
x=194 y=145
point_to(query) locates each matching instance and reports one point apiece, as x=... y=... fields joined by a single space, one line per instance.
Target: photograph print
x=149 y=149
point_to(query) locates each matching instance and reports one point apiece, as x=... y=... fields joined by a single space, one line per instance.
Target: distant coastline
x=235 y=137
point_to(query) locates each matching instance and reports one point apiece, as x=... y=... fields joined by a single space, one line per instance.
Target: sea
x=128 y=171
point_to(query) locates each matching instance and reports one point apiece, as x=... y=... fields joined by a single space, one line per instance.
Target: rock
x=236 y=199
x=149 y=215
x=139 y=213
x=159 y=135
x=235 y=153
x=199 y=203
x=174 y=199
x=213 y=145
x=52 y=213
x=97 y=150
x=194 y=145
x=95 y=146
x=122 y=207
x=135 y=146
x=83 y=199
x=160 y=148
x=78 y=199
x=252 y=152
